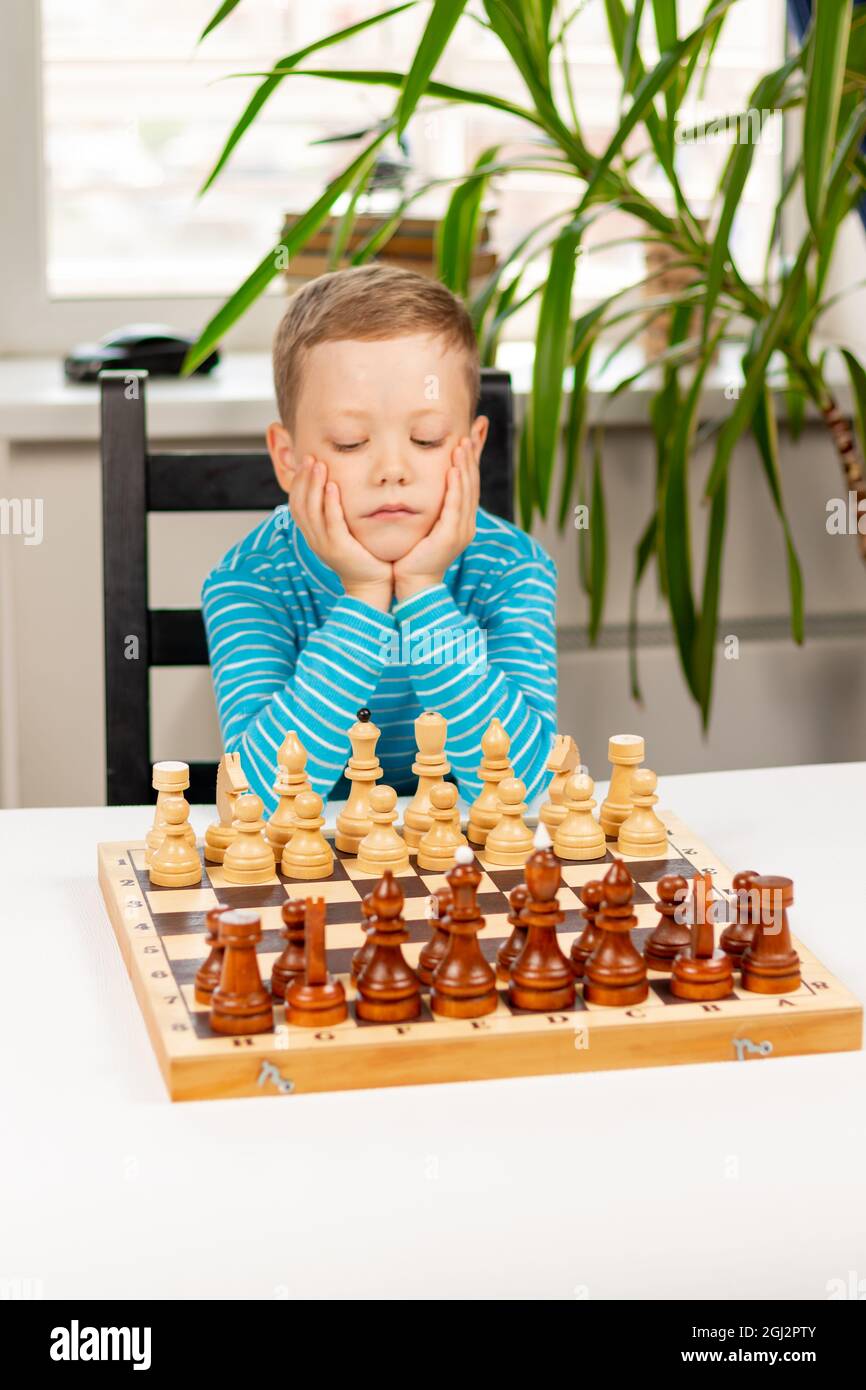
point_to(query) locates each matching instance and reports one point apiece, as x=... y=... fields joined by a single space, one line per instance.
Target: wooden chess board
x=161 y=933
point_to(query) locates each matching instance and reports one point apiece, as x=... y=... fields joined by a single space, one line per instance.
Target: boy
x=383 y=583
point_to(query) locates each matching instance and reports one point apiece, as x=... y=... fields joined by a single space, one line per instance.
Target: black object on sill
x=151 y=347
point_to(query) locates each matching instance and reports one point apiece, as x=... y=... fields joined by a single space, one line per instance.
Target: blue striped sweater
x=290 y=650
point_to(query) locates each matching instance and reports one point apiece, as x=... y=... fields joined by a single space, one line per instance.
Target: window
x=133 y=118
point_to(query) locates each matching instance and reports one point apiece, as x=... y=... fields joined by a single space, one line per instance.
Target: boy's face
x=385 y=417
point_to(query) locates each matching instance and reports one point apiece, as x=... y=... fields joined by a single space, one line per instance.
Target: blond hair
x=367 y=302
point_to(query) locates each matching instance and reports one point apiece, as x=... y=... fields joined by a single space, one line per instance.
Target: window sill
x=237 y=401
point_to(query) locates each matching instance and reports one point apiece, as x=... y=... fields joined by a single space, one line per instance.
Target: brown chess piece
x=582 y=946
x=510 y=949
x=541 y=977
x=464 y=986
x=388 y=988
x=615 y=974
x=290 y=963
x=361 y=957
x=240 y=1004
x=702 y=971
x=738 y=935
x=433 y=952
x=668 y=936
x=314 y=999
x=770 y=965
x=207 y=977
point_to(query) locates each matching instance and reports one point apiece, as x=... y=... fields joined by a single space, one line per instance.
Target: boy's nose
x=391 y=467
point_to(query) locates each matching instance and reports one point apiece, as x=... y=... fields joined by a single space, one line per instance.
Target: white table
x=741 y=1181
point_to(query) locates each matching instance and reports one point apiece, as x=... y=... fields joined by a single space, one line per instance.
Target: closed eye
x=429 y=443
x=348 y=448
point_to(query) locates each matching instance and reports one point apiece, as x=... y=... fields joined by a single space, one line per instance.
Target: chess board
x=161 y=933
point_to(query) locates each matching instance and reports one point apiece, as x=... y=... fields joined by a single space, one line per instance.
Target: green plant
x=774 y=322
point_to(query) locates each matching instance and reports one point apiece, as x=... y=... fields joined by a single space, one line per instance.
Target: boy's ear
x=478 y=433
x=282 y=452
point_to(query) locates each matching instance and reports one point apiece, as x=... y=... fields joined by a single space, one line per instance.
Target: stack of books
x=412 y=245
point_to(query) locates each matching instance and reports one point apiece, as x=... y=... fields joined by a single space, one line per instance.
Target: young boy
x=383 y=583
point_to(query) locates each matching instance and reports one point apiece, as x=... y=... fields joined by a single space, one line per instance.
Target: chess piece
x=430 y=767
x=579 y=835
x=642 y=834
x=361 y=957
x=175 y=862
x=249 y=858
x=582 y=947
x=615 y=974
x=230 y=784
x=511 y=948
x=564 y=758
x=362 y=770
x=207 y=977
x=485 y=811
x=739 y=934
x=669 y=936
x=291 y=961
x=169 y=779
x=388 y=988
x=382 y=848
x=439 y=844
x=509 y=843
x=314 y=999
x=307 y=853
x=464 y=986
x=433 y=952
x=291 y=781
x=541 y=977
x=626 y=752
x=702 y=971
x=240 y=1004
x=770 y=965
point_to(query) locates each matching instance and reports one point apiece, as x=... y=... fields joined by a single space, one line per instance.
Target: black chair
x=135 y=482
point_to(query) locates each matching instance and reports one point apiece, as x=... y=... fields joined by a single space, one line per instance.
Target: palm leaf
x=828 y=48
x=766 y=436
x=551 y=341
x=271 y=264
x=282 y=69
x=438 y=30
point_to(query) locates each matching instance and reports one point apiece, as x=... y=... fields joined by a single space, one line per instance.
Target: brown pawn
x=510 y=949
x=207 y=977
x=541 y=977
x=290 y=964
x=736 y=937
x=362 y=956
x=702 y=971
x=771 y=965
x=615 y=974
x=388 y=988
x=433 y=952
x=582 y=946
x=240 y=1004
x=668 y=936
x=464 y=986
x=314 y=999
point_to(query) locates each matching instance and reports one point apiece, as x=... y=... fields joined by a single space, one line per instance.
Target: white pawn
x=510 y=842
x=579 y=836
x=382 y=848
x=307 y=853
x=642 y=834
x=175 y=863
x=249 y=858
x=440 y=843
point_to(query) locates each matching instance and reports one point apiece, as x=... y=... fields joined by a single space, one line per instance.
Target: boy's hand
x=318 y=511
x=426 y=562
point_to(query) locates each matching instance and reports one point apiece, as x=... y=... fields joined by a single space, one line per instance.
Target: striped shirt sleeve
x=266 y=682
x=505 y=668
